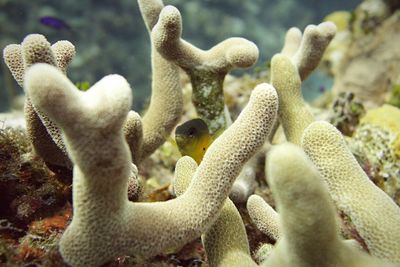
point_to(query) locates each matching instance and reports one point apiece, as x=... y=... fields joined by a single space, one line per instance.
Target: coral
x=300 y=55
x=206 y=69
x=294 y=114
x=225 y=242
x=387 y=118
x=108 y=144
x=373 y=213
x=105 y=224
x=263 y=216
x=143 y=137
x=346 y=113
x=166 y=102
x=307 y=216
x=376 y=145
x=306 y=51
x=43 y=134
x=307 y=219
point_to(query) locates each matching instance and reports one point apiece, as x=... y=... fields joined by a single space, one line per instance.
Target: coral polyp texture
x=294 y=114
x=307 y=216
x=306 y=50
x=206 y=69
x=226 y=240
x=166 y=102
x=374 y=214
x=105 y=224
x=263 y=216
x=44 y=135
x=309 y=233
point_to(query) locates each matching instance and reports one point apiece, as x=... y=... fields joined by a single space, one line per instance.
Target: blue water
x=110 y=36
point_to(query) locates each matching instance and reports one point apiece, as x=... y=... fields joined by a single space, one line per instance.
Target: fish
x=54 y=23
x=193 y=139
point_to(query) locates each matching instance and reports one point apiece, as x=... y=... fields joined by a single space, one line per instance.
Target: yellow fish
x=193 y=138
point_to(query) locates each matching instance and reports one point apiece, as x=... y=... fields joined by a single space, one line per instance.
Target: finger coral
x=263 y=216
x=307 y=216
x=44 y=135
x=294 y=114
x=160 y=118
x=374 y=214
x=309 y=232
x=306 y=51
x=105 y=224
x=206 y=69
x=166 y=102
x=300 y=55
x=225 y=242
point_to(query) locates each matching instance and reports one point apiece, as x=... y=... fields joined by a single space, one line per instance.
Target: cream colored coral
x=206 y=69
x=166 y=102
x=225 y=242
x=307 y=216
x=44 y=135
x=64 y=52
x=105 y=224
x=231 y=53
x=374 y=214
x=306 y=51
x=184 y=171
x=133 y=131
x=294 y=114
x=307 y=220
x=12 y=56
x=292 y=42
x=263 y=216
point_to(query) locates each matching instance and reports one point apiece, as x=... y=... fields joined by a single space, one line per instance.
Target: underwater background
x=110 y=36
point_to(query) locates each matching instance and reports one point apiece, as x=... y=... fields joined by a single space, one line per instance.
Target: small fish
x=193 y=138
x=54 y=22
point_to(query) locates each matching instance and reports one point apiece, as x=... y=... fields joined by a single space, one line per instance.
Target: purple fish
x=54 y=22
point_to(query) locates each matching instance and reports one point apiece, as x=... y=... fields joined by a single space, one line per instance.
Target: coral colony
x=313 y=176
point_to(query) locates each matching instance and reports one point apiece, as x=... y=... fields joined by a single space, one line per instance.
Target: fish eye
x=191 y=132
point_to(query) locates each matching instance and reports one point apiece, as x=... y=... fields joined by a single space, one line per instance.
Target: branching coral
x=299 y=57
x=373 y=213
x=103 y=138
x=206 y=69
x=294 y=114
x=166 y=99
x=227 y=232
x=307 y=219
x=306 y=51
x=44 y=135
x=143 y=135
x=264 y=216
x=307 y=216
x=105 y=224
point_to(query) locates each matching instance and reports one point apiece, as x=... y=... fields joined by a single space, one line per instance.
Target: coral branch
x=374 y=214
x=206 y=69
x=105 y=224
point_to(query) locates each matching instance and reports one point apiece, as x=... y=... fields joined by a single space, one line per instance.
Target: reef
x=89 y=182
